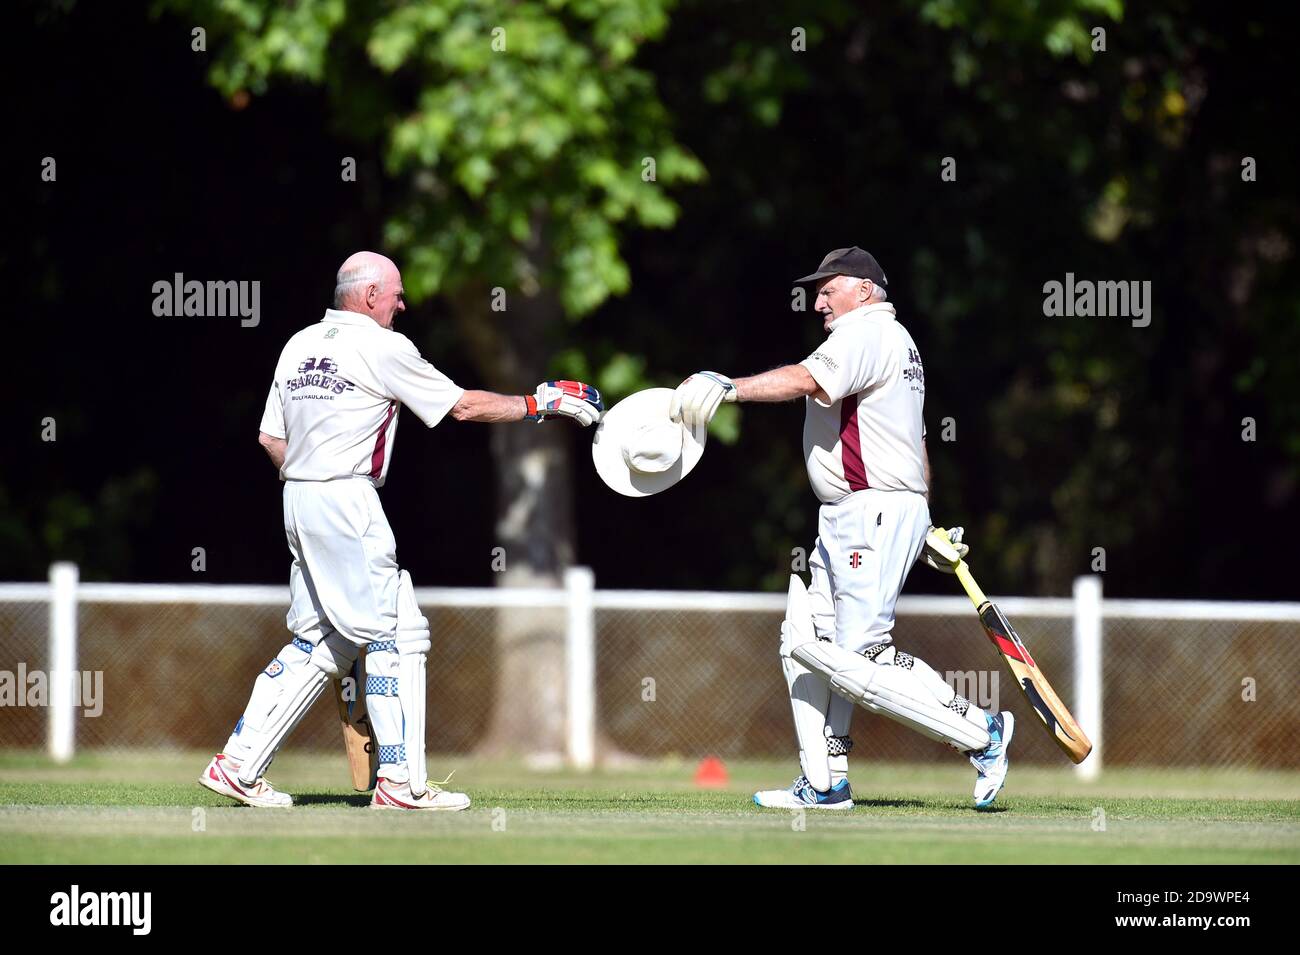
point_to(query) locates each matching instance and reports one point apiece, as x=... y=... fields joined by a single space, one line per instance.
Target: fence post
x=63 y=661
x=1087 y=668
x=580 y=667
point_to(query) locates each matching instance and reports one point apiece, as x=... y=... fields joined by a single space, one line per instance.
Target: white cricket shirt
x=870 y=435
x=337 y=389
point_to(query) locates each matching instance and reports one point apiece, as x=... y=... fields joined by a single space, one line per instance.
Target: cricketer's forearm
x=488 y=406
x=780 y=384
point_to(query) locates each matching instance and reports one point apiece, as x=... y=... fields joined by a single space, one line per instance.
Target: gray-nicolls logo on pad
x=76 y=908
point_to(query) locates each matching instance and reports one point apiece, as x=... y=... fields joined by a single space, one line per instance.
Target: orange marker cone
x=711 y=773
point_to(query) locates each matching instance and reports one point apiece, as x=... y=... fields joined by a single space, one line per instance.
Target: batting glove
x=570 y=399
x=937 y=560
x=696 y=399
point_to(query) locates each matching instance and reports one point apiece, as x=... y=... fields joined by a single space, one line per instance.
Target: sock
x=839 y=770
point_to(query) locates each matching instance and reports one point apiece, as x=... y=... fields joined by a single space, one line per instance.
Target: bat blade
x=358 y=740
x=1051 y=711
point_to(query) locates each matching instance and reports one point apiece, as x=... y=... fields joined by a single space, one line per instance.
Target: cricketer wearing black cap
x=864 y=448
x=855 y=262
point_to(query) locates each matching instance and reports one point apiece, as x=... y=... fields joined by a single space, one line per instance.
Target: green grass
x=143 y=807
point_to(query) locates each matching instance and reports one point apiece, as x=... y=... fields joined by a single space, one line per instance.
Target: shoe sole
x=830 y=807
x=1006 y=743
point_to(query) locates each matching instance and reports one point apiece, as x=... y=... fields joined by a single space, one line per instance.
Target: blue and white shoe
x=992 y=762
x=801 y=795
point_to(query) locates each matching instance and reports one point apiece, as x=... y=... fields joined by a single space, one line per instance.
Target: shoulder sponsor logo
x=826 y=360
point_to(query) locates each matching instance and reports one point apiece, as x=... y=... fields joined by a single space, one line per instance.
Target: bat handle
x=968 y=583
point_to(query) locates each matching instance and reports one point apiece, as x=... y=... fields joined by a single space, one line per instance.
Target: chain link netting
x=1202 y=692
x=692 y=683
x=685 y=683
x=24 y=647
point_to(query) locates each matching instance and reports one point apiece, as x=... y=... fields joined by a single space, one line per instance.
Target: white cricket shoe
x=801 y=795
x=222 y=777
x=395 y=795
x=992 y=762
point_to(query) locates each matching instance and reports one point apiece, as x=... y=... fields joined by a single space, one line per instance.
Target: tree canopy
x=1158 y=150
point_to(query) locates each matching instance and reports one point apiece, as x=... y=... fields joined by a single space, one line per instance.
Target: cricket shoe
x=992 y=762
x=801 y=795
x=222 y=777
x=395 y=795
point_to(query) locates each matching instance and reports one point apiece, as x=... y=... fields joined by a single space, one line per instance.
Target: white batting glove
x=696 y=399
x=570 y=399
x=937 y=560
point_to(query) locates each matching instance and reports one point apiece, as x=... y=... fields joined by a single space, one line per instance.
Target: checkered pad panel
x=381 y=685
x=894 y=656
x=381 y=646
x=303 y=645
x=393 y=754
x=838 y=745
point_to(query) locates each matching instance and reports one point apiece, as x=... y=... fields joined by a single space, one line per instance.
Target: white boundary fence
x=1086 y=608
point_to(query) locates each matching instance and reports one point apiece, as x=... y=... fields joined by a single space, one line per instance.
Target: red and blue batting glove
x=571 y=399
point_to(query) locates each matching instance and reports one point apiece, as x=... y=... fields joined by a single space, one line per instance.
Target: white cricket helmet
x=639 y=451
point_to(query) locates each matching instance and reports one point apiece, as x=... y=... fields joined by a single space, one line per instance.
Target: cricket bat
x=1051 y=711
x=358 y=740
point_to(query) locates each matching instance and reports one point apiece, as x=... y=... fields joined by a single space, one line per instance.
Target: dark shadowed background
x=1070 y=433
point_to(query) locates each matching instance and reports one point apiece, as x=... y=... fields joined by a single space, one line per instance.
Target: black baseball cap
x=853 y=261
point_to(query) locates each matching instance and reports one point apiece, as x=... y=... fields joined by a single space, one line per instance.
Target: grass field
x=139 y=807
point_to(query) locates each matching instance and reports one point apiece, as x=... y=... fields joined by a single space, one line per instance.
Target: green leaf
x=725 y=425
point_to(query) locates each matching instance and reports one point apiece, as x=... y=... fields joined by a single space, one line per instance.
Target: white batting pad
x=302 y=687
x=891 y=691
x=810 y=694
x=268 y=689
x=411 y=690
x=413 y=643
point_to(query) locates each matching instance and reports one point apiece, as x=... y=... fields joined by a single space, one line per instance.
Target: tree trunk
x=534 y=523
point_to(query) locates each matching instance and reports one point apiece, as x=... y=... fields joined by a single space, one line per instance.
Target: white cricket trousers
x=344 y=576
x=866 y=544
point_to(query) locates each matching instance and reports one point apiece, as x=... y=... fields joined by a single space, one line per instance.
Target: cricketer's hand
x=696 y=399
x=937 y=560
x=569 y=399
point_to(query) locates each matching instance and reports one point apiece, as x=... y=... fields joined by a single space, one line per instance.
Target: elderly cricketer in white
x=864 y=446
x=329 y=427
